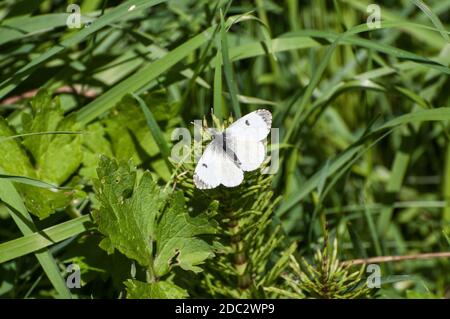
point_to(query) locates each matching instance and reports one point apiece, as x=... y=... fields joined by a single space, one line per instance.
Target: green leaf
x=36 y=133
x=55 y=157
x=176 y=237
x=418 y=31
x=157 y=290
x=217 y=102
x=349 y=38
x=124 y=134
x=433 y=17
x=20 y=215
x=128 y=132
x=127 y=213
x=136 y=216
x=95 y=142
x=13 y=158
x=35 y=241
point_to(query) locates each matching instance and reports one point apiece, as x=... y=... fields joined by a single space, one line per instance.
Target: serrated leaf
x=94 y=143
x=55 y=156
x=157 y=290
x=136 y=216
x=125 y=135
x=129 y=133
x=127 y=212
x=176 y=238
x=13 y=158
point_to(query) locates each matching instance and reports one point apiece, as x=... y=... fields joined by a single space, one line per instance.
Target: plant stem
x=383 y=259
x=239 y=257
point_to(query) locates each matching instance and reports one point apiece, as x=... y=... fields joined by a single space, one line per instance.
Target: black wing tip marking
x=266 y=116
x=201 y=184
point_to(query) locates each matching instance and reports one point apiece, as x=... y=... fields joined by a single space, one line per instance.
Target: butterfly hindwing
x=250 y=154
x=215 y=168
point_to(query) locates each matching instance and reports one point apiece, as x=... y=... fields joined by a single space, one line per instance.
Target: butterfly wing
x=215 y=168
x=251 y=154
x=245 y=138
x=232 y=175
x=247 y=135
x=254 y=126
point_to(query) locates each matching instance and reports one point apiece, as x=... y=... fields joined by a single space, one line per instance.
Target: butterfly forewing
x=254 y=126
x=215 y=168
x=247 y=134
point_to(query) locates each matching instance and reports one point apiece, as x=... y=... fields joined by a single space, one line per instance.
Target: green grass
x=364 y=138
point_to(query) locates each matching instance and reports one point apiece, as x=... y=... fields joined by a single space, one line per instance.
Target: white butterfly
x=237 y=149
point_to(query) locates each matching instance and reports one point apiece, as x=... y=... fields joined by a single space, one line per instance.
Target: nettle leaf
x=124 y=134
x=176 y=233
x=147 y=223
x=127 y=211
x=94 y=143
x=13 y=158
x=157 y=290
x=54 y=157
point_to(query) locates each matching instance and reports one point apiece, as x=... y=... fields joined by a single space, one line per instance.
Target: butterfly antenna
x=212 y=115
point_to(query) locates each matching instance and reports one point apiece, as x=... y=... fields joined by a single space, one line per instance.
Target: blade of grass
x=109 y=18
x=35 y=241
x=31 y=181
x=398 y=172
x=227 y=68
x=217 y=91
x=19 y=213
x=349 y=38
x=20 y=27
x=155 y=130
x=438 y=114
x=446 y=191
x=2 y=139
x=430 y=38
x=302 y=40
x=433 y=17
x=147 y=74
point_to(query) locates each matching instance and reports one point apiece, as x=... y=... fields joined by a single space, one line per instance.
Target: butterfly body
x=237 y=149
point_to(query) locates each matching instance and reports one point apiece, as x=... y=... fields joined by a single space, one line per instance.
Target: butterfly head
x=216 y=134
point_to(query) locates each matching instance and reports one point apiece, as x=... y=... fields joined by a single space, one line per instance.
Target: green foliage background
x=86 y=120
